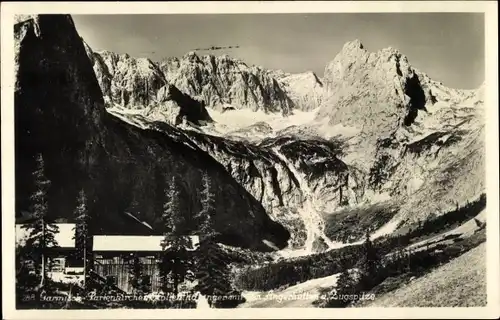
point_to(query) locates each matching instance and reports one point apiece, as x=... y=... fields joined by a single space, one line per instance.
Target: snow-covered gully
x=312 y=219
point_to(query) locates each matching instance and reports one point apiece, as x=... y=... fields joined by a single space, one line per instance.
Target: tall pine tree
x=347 y=285
x=83 y=237
x=41 y=232
x=369 y=265
x=213 y=271
x=175 y=265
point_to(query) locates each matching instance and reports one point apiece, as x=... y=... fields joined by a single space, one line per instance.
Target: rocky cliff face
x=283 y=174
x=220 y=82
x=223 y=81
x=375 y=91
x=439 y=163
x=60 y=114
x=412 y=130
x=305 y=89
x=137 y=84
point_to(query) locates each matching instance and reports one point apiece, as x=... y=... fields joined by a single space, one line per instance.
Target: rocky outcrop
x=375 y=91
x=220 y=81
x=137 y=84
x=440 y=164
x=286 y=175
x=59 y=113
x=126 y=81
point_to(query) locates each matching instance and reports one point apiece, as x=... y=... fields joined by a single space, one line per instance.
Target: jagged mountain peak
x=218 y=81
x=377 y=92
x=139 y=84
x=354 y=53
x=191 y=56
x=223 y=80
x=353 y=45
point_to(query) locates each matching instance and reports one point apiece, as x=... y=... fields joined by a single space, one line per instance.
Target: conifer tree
x=176 y=265
x=369 y=265
x=346 y=285
x=83 y=237
x=41 y=233
x=213 y=269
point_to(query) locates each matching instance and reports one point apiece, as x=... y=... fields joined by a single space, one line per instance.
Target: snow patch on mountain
x=245 y=124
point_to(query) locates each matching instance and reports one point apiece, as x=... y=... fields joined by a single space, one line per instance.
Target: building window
x=57 y=264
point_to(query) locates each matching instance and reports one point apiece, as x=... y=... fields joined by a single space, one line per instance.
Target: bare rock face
x=127 y=81
x=439 y=164
x=138 y=85
x=375 y=91
x=280 y=171
x=221 y=80
x=293 y=179
x=305 y=89
x=60 y=114
x=176 y=107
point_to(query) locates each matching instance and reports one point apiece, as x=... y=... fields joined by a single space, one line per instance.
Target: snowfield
x=238 y=120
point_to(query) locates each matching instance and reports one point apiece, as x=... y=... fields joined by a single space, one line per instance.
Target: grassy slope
x=461 y=282
x=301 y=295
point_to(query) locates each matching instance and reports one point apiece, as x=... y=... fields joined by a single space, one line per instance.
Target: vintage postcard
x=250 y=160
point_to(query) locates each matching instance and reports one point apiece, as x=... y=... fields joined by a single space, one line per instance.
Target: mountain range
x=371 y=131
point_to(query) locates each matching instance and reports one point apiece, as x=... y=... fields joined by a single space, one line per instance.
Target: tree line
x=370 y=274
x=290 y=272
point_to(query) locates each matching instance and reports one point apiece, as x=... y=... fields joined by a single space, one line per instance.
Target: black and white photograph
x=324 y=161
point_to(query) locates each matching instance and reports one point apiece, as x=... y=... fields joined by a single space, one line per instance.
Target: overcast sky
x=449 y=47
